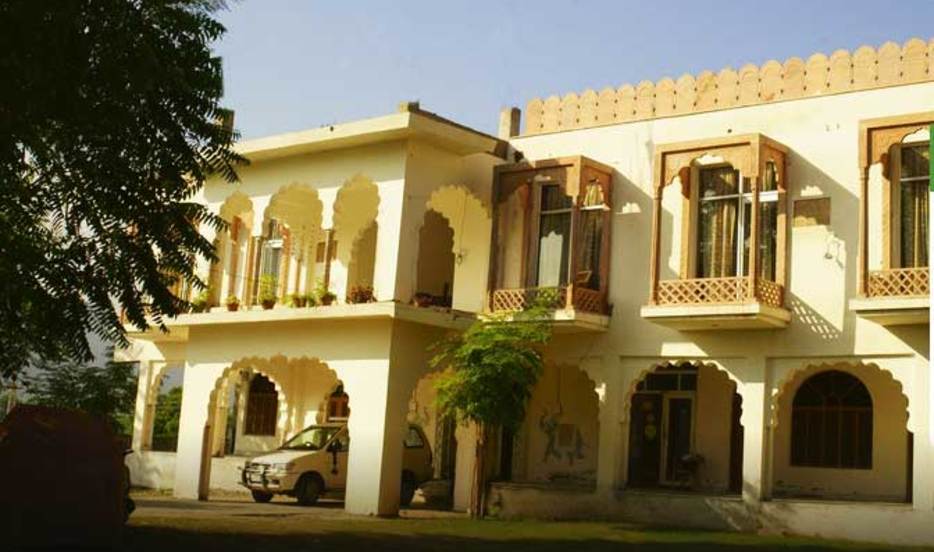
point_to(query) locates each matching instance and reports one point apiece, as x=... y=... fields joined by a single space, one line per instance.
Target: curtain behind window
x=717 y=224
x=914 y=206
x=554 y=234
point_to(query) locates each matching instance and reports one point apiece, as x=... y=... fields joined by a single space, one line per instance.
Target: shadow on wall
x=811 y=319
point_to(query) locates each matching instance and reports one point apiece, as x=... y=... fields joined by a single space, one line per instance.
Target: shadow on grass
x=158 y=538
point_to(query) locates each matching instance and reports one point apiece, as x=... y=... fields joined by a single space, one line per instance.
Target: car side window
x=413 y=439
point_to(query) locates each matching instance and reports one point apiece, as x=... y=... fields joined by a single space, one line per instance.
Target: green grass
x=291 y=531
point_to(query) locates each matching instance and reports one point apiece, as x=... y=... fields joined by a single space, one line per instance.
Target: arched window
x=831 y=422
x=338 y=405
x=262 y=407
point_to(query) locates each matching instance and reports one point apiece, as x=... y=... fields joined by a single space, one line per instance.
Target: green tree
x=110 y=122
x=166 y=420
x=108 y=392
x=490 y=371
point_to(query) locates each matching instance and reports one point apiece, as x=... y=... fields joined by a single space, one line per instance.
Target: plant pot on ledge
x=233 y=304
x=327 y=299
x=268 y=304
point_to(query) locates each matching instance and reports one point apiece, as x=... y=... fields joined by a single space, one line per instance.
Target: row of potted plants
x=268 y=297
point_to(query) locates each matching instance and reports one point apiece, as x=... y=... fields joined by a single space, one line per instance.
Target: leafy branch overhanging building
x=738 y=264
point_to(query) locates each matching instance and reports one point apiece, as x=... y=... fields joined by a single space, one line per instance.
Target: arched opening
x=355 y=240
x=685 y=431
x=558 y=441
x=841 y=434
x=164 y=410
x=362 y=266
x=439 y=431
x=229 y=273
x=435 y=272
x=285 y=260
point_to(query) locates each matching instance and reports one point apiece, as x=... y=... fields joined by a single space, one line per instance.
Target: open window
x=730 y=247
x=551 y=236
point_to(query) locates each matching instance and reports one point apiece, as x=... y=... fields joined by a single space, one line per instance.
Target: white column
x=199 y=381
x=378 y=405
x=606 y=373
x=464 y=465
x=142 y=417
x=921 y=408
x=392 y=279
x=755 y=391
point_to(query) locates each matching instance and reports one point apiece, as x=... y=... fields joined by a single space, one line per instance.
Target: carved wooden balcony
x=718 y=303
x=571 y=306
x=896 y=296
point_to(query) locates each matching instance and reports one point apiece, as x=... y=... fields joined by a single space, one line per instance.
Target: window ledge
x=738 y=316
x=893 y=310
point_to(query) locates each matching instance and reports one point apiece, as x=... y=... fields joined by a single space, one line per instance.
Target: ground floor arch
x=684 y=429
x=840 y=432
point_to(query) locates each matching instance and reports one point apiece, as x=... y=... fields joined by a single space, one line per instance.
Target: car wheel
x=407 y=490
x=261 y=497
x=308 y=490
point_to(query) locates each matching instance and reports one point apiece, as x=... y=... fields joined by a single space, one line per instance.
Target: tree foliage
x=109 y=126
x=108 y=392
x=166 y=419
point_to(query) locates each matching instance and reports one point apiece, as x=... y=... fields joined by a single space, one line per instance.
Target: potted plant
x=310 y=299
x=232 y=302
x=422 y=299
x=324 y=295
x=360 y=294
x=298 y=300
x=267 y=291
x=200 y=302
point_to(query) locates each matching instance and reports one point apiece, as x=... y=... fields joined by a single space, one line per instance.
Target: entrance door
x=645 y=437
x=677 y=439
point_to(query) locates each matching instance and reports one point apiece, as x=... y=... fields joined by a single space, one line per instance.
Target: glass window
x=831 y=422
x=725 y=214
x=311 y=438
x=913 y=205
x=553 y=237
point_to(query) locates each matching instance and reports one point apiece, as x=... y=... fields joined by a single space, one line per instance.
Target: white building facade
x=739 y=273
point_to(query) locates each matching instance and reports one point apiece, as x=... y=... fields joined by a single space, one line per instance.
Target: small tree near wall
x=494 y=366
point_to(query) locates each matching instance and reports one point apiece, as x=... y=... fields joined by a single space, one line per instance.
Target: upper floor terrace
x=392 y=210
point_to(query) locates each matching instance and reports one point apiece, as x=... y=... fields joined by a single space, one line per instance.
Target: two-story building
x=738 y=264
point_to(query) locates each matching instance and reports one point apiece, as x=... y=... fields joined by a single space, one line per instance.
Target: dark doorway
x=736 y=446
x=679 y=426
x=645 y=440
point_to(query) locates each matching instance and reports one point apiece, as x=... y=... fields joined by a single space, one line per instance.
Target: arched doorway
x=435 y=274
x=684 y=430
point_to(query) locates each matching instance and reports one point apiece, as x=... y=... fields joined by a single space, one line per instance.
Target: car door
x=335 y=468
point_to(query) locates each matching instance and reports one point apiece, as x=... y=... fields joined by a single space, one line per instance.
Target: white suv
x=314 y=463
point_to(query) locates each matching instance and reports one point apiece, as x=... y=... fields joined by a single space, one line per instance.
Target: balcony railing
x=899 y=282
x=515 y=300
x=718 y=291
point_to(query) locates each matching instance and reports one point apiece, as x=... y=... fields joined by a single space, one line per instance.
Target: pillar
x=379 y=396
x=755 y=388
x=466 y=436
x=607 y=375
x=921 y=407
x=192 y=465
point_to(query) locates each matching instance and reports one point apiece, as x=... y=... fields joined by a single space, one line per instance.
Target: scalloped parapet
x=863 y=69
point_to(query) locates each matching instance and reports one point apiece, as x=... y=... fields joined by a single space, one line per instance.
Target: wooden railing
x=718 y=291
x=518 y=299
x=899 y=282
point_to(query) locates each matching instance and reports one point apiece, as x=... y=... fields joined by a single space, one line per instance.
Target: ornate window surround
x=748 y=153
x=876 y=138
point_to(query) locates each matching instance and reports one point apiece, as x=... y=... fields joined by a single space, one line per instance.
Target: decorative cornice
x=864 y=69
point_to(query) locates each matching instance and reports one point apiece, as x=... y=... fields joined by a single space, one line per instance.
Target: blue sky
x=296 y=64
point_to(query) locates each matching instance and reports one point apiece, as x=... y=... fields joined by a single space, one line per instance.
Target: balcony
x=586 y=310
x=894 y=297
x=718 y=303
x=551 y=241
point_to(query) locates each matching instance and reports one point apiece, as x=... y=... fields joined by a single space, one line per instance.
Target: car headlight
x=287 y=467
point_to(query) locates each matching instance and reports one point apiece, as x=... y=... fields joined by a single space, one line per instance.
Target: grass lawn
x=271 y=531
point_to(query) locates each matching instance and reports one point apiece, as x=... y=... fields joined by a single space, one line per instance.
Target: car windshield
x=311 y=438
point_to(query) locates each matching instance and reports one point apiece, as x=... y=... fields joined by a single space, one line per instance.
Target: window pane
x=716 y=238
x=768 y=233
x=914 y=230
x=915 y=161
x=554 y=236
x=553 y=198
x=591 y=239
x=770 y=178
x=718 y=182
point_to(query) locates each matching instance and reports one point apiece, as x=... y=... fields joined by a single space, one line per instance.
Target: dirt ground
x=233 y=523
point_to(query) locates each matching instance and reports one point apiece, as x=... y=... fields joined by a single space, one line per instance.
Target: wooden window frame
x=261 y=423
x=746 y=153
x=572 y=175
x=876 y=140
x=825 y=411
